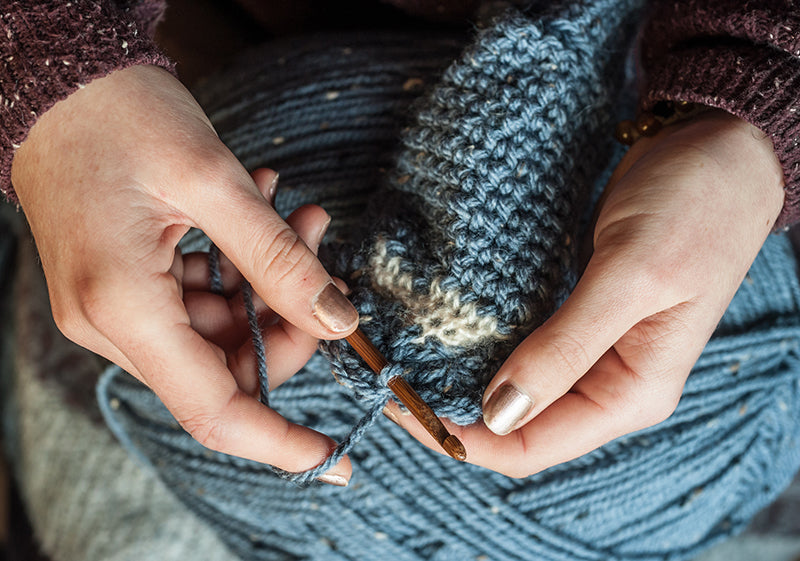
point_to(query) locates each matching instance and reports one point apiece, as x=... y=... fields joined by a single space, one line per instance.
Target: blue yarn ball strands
x=215 y=282
x=665 y=492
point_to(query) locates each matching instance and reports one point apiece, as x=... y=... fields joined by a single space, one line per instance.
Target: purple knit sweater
x=741 y=56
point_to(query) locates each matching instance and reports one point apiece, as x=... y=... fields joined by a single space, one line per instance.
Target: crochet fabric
x=467 y=246
x=472 y=245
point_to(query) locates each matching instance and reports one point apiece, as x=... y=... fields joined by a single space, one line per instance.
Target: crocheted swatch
x=472 y=244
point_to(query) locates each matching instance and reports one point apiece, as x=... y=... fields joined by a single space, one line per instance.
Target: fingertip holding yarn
x=466 y=247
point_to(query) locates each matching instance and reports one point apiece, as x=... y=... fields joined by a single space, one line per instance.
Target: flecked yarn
x=467 y=244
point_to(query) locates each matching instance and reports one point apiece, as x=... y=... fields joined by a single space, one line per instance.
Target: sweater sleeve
x=740 y=56
x=50 y=48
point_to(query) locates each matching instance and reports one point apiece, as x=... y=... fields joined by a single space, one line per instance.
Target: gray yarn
x=663 y=493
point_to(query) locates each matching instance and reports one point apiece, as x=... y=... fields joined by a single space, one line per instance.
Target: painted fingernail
x=505 y=408
x=389 y=415
x=334 y=310
x=333 y=479
x=321 y=234
x=273 y=189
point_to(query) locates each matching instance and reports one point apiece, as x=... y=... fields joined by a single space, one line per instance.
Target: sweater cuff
x=756 y=83
x=50 y=49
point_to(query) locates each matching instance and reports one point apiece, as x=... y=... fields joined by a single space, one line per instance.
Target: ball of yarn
x=328 y=112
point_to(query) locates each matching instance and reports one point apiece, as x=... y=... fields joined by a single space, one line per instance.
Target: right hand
x=110 y=179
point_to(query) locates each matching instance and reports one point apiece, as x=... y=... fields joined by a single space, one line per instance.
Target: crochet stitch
x=473 y=243
x=440 y=253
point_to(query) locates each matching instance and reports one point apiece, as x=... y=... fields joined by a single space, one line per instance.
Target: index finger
x=199 y=390
x=282 y=269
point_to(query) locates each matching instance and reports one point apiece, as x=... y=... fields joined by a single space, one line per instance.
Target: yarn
x=665 y=492
x=472 y=245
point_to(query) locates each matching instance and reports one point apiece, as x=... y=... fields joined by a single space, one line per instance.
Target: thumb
x=605 y=304
x=279 y=265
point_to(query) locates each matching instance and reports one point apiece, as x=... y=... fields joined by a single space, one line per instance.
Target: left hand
x=682 y=220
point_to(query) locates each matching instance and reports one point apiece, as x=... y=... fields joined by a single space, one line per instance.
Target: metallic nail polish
x=334 y=310
x=273 y=189
x=323 y=230
x=505 y=408
x=389 y=415
x=333 y=479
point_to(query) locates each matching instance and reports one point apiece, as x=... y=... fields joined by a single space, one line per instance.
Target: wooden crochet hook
x=408 y=397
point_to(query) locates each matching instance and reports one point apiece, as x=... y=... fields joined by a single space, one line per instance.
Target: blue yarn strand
x=257 y=338
x=214 y=274
x=258 y=342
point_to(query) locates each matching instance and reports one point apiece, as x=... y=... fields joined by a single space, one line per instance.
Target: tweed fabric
x=664 y=493
x=51 y=48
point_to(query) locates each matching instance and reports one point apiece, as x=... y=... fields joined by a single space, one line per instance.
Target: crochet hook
x=408 y=396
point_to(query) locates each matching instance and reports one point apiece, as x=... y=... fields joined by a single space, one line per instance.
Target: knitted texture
x=50 y=49
x=472 y=245
x=325 y=114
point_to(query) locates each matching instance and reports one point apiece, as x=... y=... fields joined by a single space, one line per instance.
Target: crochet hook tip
x=452 y=445
x=407 y=396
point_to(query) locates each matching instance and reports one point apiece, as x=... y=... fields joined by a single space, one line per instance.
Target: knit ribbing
x=51 y=49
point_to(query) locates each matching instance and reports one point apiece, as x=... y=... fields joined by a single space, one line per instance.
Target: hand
x=681 y=221
x=110 y=179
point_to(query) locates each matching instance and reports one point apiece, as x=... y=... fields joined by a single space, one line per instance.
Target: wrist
x=739 y=153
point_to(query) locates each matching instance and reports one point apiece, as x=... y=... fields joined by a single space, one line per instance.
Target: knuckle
x=663 y=274
x=661 y=409
x=70 y=315
x=572 y=355
x=286 y=258
x=208 y=430
x=65 y=318
x=92 y=304
x=654 y=407
x=657 y=277
x=641 y=274
x=209 y=164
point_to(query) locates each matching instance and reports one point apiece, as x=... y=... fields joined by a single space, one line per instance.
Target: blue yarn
x=215 y=281
x=665 y=492
x=258 y=342
x=482 y=207
x=214 y=273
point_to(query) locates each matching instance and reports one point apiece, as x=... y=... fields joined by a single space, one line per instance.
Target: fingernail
x=505 y=408
x=334 y=310
x=389 y=415
x=321 y=234
x=333 y=479
x=273 y=188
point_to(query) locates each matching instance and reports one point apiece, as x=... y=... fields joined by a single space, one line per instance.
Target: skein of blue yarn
x=663 y=493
